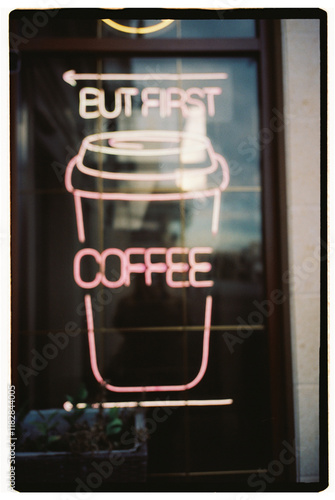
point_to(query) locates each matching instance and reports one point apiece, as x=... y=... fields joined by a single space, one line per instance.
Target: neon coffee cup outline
x=217 y=162
x=114 y=138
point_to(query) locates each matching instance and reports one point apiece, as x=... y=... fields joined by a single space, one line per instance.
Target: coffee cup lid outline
x=182 y=146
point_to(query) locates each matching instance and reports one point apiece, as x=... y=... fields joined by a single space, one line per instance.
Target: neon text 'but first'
x=92 y=101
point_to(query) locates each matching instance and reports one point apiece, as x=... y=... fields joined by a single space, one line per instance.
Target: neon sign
x=191 y=170
x=170 y=268
x=149 y=388
x=71 y=76
x=68 y=406
x=152 y=97
x=92 y=99
x=134 y=146
x=142 y=30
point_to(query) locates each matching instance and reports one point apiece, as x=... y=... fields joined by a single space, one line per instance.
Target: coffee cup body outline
x=129 y=144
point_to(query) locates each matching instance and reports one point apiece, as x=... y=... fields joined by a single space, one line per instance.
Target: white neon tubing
x=150 y=136
x=71 y=76
x=68 y=406
x=201 y=142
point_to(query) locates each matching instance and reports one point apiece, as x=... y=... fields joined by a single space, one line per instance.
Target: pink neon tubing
x=118 y=137
x=148 y=267
x=78 y=194
x=150 y=388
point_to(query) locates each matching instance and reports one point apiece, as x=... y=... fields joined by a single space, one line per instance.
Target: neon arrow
x=71 y=76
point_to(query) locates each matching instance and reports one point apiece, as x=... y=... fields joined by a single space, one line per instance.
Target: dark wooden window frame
x=267 y=49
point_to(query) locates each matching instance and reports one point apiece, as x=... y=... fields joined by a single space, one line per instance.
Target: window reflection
x=182 y=28
x=140 y=135
x=53 y=23
x=147 y=326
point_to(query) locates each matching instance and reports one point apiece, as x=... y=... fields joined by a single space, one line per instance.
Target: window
x=146 y=229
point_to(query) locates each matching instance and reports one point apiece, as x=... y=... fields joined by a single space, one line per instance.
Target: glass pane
x=184 y=28
x=141 y=244
x=139 y=28
x=54 y=23
x=218 y=28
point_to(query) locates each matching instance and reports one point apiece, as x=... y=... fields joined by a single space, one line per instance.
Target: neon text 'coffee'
x=175 y=261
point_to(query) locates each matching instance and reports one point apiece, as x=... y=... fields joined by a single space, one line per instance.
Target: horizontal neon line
x=189 y=402
x=71 y=75
x=121 y=404
x=153 y=404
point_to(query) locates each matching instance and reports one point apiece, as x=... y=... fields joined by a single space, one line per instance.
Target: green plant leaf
x=114 y=427
x=113 y=413
x=41 y=426
x=79 y=397
x=53 y=439
x=82 y=394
